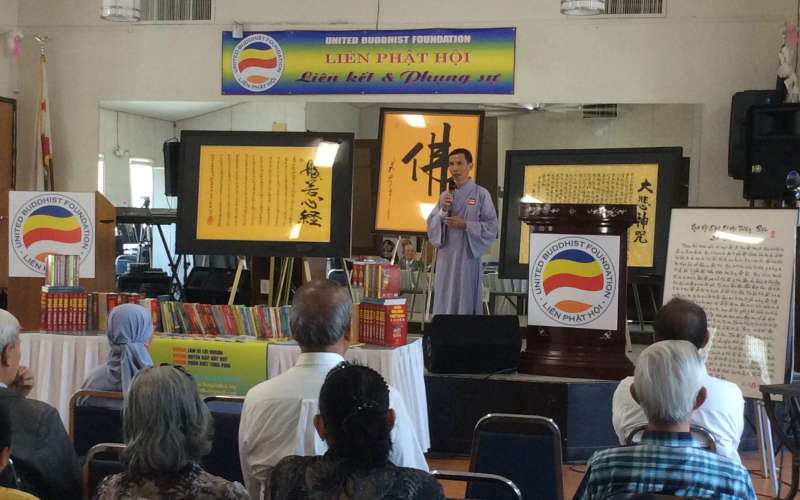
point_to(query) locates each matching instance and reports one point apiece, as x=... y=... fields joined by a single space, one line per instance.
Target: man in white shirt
x=722 y=413
x=278 y=414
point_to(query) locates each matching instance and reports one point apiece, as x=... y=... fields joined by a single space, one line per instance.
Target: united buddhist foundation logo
x=573 y=281
x=257 y=62
x=50 y=224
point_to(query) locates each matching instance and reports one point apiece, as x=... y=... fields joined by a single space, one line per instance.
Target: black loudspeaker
x=737 y=141
x=212 y=285
x=773 y=150
x=472 y=344
x=172 y=158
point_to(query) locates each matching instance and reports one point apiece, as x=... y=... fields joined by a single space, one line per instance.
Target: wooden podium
x=577 y=284
x=24 y=294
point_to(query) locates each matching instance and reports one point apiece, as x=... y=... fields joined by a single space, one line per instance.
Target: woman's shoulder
x=210 y=487
x=417 y=484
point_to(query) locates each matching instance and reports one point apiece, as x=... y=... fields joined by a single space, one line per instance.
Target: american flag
x=44 y=151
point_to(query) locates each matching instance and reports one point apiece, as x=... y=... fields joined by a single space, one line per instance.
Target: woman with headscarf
x=129 y=329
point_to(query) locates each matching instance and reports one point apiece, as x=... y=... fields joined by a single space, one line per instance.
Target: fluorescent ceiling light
x=124 y=11
x=426 y=209
x=295 y=232
x=529 y=199
x=326 y=154
x=416 y=121
x=583 y=7
x=737 y=237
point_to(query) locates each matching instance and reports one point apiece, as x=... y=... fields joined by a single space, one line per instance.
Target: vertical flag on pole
x=44 y=153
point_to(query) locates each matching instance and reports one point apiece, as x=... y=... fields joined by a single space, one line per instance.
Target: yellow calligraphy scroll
x=610 y=184
x=412 y=152
x=260 y=193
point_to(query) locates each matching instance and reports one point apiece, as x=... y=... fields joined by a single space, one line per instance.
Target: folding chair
x=101 y=461
x=525 y=449
x=91 y=425
x=510 y=489
x=223 y=461
x=699 y=433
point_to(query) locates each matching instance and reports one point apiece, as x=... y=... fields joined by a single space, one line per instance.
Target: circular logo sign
x=257 y=62
x=573 y=281
x=51 y=224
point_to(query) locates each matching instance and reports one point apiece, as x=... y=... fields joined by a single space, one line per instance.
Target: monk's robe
x=459 y=285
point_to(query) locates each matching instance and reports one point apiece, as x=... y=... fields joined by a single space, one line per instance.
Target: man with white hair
x=278 y=415
x=43 y=456
x=668 y=384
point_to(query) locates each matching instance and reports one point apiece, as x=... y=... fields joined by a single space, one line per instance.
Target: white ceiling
x=170 y=111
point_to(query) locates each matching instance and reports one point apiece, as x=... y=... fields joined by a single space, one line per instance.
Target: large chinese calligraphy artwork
x=414 y=163
x=738 y=267
x=263 y=194
x=594 y=184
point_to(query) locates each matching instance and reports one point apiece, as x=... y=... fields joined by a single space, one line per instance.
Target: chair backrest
x=101 y=461
x=8 y=477
x=223 y=461
x=91 y=425
x=525 y=449
x=508 y=487
x=699 y=433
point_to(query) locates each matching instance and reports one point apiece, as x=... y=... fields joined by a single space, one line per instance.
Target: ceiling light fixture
x=123 y=11
x=583 y=7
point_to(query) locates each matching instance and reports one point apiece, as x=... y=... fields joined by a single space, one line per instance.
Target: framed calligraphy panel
x=413 y=170
x=738 y=264
x=261 y=194
x=648 y=178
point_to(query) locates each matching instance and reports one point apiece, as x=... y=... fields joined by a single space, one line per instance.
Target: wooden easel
x=280 y=296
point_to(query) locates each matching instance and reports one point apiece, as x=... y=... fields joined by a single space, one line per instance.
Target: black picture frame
x=478 y=156
x=189 y=176
x=669 y=164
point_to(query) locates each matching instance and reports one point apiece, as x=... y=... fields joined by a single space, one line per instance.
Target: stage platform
x=581 y=408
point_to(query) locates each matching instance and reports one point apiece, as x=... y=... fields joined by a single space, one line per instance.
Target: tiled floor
x=574 y=473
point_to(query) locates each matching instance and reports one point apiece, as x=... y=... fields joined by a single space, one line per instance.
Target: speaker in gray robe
x=459 y=286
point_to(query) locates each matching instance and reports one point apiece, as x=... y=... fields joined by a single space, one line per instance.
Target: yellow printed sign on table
x=414 y=147
x=220 y=368
x=263 y=193
x=611 y=184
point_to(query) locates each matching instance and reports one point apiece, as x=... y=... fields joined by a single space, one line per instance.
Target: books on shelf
x=224 y=320
x=382 y=281
x=62 y=270
x=383 y=322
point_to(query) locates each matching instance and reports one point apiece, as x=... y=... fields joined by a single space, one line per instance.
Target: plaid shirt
x=664 y=462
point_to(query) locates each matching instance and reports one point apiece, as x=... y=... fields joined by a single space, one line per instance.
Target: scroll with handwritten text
x=738 y=265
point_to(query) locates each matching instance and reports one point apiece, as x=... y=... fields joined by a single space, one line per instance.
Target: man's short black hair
x=681 y=319
x=462 y=151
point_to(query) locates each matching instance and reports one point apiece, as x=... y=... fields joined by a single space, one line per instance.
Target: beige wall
x=701 y=53
x=8 y=70
x=251 y=116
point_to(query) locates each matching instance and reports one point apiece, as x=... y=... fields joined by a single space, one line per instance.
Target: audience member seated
x=668 y=384
x=129 y=329
x=409 y=260
x=167 y=430
x=722 y=413
x=355 y=420
x=44 y=459
x=5 y=454
x=278 y=414
x=388 y=249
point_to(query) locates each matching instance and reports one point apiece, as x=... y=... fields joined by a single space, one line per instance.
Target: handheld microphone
x=451 y=186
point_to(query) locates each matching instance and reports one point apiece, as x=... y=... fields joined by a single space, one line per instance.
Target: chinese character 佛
x=438 y=160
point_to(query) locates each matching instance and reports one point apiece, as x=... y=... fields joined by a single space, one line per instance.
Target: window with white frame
x=141 y=171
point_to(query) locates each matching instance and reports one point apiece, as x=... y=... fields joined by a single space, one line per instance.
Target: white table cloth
x=60 y=364
x=401 y=367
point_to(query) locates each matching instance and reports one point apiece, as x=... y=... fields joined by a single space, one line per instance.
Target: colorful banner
x=48 y=223
x=220 y=368
x=414 y=163
x=479 y=61
x=263 y=193
x=612 y=184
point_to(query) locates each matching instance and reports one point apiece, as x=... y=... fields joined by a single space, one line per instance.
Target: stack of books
x=62 y=270
x=223 y=320
x=383 y=322
x=382 y=281
x=63 y=308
